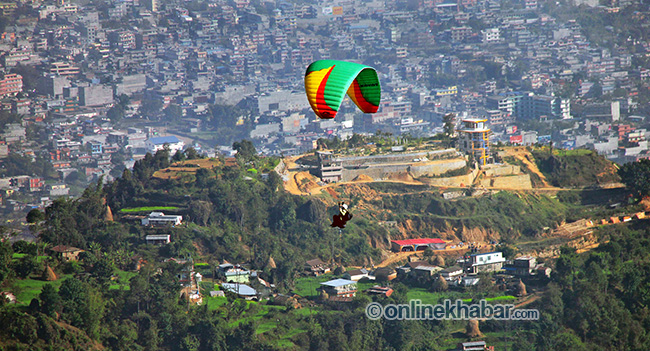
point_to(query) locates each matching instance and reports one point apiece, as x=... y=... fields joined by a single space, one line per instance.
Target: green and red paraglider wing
x=327 y=82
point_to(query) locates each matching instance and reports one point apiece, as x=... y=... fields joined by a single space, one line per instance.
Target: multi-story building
x=95 y=95
x=340 y=288
x=11 y=84
x=474 y=139
x=491 y=35
x=485 y=262
x=63 y=69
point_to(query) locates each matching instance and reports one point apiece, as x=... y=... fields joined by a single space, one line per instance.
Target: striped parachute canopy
x=327 y=81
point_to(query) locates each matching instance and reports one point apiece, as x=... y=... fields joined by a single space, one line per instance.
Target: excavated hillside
x=404 y=207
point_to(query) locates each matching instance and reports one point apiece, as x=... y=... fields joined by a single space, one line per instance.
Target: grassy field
x=428 y=297
x=17 y=256
x=496 y=298
x=122 y=281
x=306 y=286
x=148 y=209
x=28 y=289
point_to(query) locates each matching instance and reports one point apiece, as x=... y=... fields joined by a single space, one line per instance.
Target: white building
x=491 y=35
x=161 y=219
x=486 y=262
x=158 y=143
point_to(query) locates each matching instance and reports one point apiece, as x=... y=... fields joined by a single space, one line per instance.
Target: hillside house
x=159 y=219
x=339 y=288
x=451 y=273
x=158 y=239
x=242 y=290
x=358 y=274
x=426 y=270
x=186 y=276
x=316 y=267
x=158 y=143
x=66 y=253
x=474 y=346
x=385 y=274
x=521 y=266
x=485 y=262
x=380 y=290
x=233 y=273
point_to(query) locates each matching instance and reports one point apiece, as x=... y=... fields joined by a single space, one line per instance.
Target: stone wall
x=395 y=157
x=416 y=170
x=435 y=168
x=458 y=181
x=501 y=170
x=519 y=181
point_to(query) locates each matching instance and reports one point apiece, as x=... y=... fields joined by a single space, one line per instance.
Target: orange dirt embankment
x=362 y=178
x=523 y=155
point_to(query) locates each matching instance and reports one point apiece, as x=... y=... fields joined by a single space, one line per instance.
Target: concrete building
x=158 y=239
x=95 y=95
x=131 y=84
x=485 y=262
x=282 y=101
x=329 y=169
x=158 y=143
x=53 y=85
x=159 y=219
x=474 y=139
x=11 y=84
x=339 y=288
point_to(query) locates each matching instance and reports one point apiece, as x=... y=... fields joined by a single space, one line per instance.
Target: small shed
x=67 y=253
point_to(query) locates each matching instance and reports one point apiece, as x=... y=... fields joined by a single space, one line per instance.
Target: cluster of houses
x=623 y=219
x=462 y=274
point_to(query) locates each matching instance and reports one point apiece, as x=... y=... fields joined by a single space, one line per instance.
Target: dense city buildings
x=97 y=87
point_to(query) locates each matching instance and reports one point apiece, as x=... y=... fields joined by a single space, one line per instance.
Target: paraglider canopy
x=327 y=82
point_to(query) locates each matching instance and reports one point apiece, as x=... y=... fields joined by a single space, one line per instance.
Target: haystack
x=439 y=261
x=440 y=284
x=520 y=289
x=48 y=274
x=472 y=330
x=271 y=263
x=109 y=214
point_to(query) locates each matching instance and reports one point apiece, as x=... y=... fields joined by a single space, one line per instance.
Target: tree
x=449 y=124
x=26 y=266
x=151 y=107
x=203 y=178
x=173 y=112
x=50 y=300
x=245 y=150
x=191 y=154
x=636 y=176
x=5 y=261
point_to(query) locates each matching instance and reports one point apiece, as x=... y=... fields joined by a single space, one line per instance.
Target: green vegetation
x=575 y=168
x=510 y=214
x=148 y=209
x=636 y=176
x=30 y=288
x=231 y=214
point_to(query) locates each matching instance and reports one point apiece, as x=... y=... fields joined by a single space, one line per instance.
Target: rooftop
x=240 y=289
x=423 y=241
x=338 y=282
x=164 y=140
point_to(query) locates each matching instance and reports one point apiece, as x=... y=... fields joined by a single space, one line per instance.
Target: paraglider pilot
x=340 y=219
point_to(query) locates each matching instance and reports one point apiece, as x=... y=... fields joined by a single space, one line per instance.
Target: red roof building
x=418 y=244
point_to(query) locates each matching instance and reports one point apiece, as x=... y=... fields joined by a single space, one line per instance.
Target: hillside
x=575 y=168
x=231 y=214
